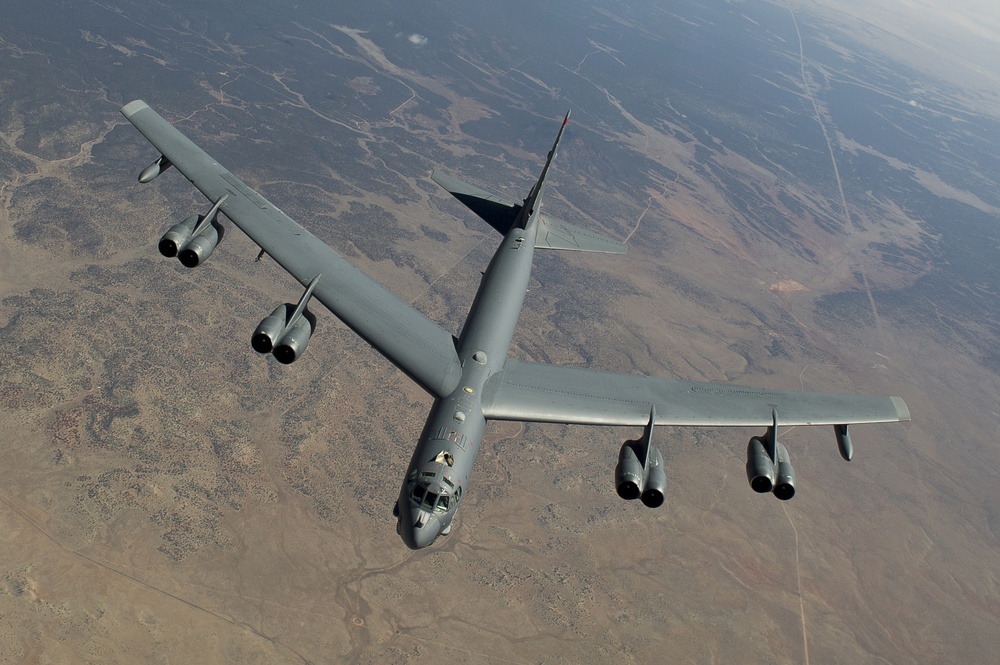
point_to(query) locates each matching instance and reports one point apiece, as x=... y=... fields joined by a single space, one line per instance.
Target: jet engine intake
x=629 y=475
x=634 y=481
x=270 y=330
x=177 y=236
x=201 y=246
x=191 y=249
x=656 y=480
x=640 y=472
x=193 y=240
x=760 y=468
x=281 y=336
x=784 y=483
x=293 y=343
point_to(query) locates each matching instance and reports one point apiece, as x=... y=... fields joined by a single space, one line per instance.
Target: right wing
x=415 y=344
x=537 y=392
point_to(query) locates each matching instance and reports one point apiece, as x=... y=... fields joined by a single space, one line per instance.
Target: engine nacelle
x=656 y=480
x=293 y=343
x=760 y=468
x=629 y=472
x=201 y=246
x=640 y=473
x=784 y=483
x=178 y=236
x=193 y=240
x=192 y=250
x=267 y=334
x=285 y=342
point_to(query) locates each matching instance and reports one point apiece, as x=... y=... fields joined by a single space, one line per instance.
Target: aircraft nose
x=418 y=529
x=422 y=536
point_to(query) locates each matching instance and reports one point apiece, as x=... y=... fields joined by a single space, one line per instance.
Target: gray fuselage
x=443 y=459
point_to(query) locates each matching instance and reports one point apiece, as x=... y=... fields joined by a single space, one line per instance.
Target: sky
x=956 y=41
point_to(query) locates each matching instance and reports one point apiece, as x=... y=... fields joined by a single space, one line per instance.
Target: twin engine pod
x=633 y=480
x=190 y=248
x=640 y=473
x=285 y=333
x=770 y=474
x=193 y=240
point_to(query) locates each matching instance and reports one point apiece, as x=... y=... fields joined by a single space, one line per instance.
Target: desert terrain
x=806 y=205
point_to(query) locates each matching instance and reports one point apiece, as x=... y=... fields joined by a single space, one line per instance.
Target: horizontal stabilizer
x=557 y=234
x=500 y=213
x=494 y=210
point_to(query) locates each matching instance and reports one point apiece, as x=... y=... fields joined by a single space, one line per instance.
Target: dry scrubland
x=168 y=496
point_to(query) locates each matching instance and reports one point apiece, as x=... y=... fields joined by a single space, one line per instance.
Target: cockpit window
x=432 y=501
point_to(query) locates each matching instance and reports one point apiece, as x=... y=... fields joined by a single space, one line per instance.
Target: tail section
x=556 y=234
x=503 y=214
x=534 y=199
x=496 y=211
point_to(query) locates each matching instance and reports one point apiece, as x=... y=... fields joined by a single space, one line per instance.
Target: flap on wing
x=556 y=234
x=492 y=209
x=537 y=392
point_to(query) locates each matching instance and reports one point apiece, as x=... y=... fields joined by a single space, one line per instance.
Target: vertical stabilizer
x=533 y=201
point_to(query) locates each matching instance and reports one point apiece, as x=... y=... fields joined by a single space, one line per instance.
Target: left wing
x=411 y=341
x=537 y=392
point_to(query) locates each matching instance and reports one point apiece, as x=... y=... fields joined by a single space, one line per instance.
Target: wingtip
x=133 y=107
x=902 y=410
x=566 y=119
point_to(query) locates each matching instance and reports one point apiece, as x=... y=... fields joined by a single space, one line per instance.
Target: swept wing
x=538 y=392
x=411 y=341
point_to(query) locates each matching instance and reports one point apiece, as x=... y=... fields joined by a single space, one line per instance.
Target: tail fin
x=535 y=195
x=495 y=210
x=503 y=214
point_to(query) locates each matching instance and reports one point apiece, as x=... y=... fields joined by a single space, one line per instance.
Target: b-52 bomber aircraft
x=470 y=377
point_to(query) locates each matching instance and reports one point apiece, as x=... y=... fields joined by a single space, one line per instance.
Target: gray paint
x=472 y=378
